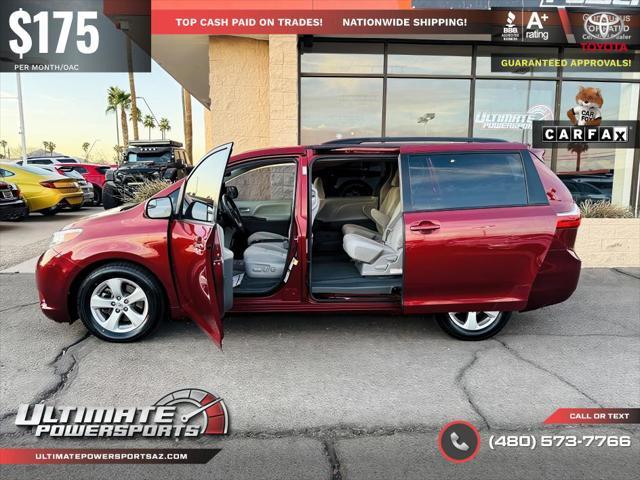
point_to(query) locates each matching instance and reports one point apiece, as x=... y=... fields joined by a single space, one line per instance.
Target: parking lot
x=334 y=396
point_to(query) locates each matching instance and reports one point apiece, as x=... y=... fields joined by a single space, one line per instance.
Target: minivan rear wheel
x=120 y=303
x=473 y=325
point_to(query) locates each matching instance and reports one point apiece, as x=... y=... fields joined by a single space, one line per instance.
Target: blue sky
x=69 y=109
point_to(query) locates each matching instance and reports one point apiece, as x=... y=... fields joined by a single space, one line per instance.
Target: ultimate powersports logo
x=186 y=413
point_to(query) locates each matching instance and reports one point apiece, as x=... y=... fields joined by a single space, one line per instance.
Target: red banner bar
x=594 y=416
x=224 y=22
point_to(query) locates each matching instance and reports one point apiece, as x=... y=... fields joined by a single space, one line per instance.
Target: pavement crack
x=461 y=383
x=61 y=370
x=17 y=307
x=628 y=274
x=334 y=462
x=546 y=370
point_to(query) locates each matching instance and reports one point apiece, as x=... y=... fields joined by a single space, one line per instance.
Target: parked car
x=94 y=174
x=467 y=229
x=86 y=187
x=45 y=192
x=48 y=160
x=12 y=205
x=144 y=160
x=581 y=191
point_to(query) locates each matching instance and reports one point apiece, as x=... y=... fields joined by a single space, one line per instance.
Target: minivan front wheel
x=120 y=303
x=473 y=325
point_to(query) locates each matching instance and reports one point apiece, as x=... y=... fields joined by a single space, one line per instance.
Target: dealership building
x=272 y=90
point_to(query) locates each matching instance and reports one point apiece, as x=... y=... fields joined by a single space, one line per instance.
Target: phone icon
x=456 y=443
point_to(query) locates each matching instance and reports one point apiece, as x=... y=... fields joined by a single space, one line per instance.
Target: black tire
x=455 y=330
x=97 y=195
x=47 y=212
x=148 y=283
x=110 y=198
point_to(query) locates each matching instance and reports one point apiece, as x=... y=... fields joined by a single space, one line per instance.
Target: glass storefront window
x=505 y=108
x=339 y=108
x=483 y=62
x=429 y=59
x=607 y=169
x=427 y=107
x=333 y=57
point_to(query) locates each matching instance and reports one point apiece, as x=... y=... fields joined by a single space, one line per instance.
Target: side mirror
x=232 y=192
x=159 y=208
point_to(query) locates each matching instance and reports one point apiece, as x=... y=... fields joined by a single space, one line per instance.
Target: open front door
x=198 y=255
x=477 y=229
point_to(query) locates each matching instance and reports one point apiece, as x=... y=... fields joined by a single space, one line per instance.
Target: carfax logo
x=186 y=413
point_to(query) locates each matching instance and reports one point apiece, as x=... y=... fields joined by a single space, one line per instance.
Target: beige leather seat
x=268 y=259
x=382 y=216
x=276 y=237
x=381 y=256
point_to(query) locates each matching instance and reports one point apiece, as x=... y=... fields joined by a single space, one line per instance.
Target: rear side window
x=464 y=180
x=80 y=169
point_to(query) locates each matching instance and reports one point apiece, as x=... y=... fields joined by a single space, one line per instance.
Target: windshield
x=149 y=157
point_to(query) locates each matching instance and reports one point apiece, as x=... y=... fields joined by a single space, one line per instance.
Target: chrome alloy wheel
x=474 y=321
x=119 y=305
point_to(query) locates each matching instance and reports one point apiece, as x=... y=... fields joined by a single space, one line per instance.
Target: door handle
x=245 y=210
x=424 y=226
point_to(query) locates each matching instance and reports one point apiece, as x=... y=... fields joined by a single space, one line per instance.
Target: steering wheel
x=230 y=209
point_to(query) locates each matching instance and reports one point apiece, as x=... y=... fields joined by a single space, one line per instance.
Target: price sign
x=24 y=43
x=74 y=35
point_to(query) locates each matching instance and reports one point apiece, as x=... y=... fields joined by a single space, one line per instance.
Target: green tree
x=149 y=122
x=49 y=147
x=118 y=153
x=85 y=149
x=164 y=126
x=118 y=99
x=112 y=106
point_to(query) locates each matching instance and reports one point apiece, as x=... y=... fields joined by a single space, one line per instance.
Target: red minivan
x=467 y=229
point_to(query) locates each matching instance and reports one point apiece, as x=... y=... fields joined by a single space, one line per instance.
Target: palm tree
x=112 y=106
x=135 y=112
x=149 y=122
x=578 y=148
x=137 y=115
x=125 y=104
x=118 y=150
x=188 y=124
x=85 y=149
x=3 y=144
x=164 y=126
x=49 y=147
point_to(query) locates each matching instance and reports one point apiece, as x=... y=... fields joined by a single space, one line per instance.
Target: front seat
x=268 y=259
x=381 y=217
x=378 y=256
x=276 y=237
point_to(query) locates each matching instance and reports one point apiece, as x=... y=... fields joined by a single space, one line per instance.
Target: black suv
x=143 y=161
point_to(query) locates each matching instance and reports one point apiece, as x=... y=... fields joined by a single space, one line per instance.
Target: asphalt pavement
x=343 y=396
x=25 y=240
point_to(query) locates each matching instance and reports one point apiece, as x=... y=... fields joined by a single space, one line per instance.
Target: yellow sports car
x=45 y=192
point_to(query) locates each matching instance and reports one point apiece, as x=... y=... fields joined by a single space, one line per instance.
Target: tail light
x=567 y=229
x=570 y=219
x=48 y=184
